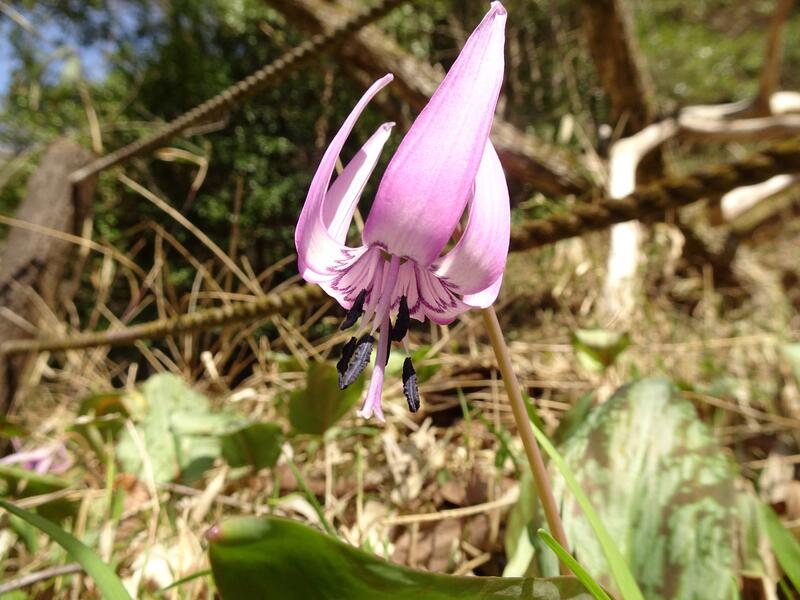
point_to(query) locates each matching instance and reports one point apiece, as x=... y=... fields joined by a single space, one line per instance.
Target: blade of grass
x=785 y=546
x=104 y=578
x=619 y=569
x=310 y=496
x=582 y=574
x=182 y=580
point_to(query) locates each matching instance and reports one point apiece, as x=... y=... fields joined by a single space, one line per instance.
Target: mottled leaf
x=276 y=558
x=177 y=428
x=664 y=489
x=659 y=480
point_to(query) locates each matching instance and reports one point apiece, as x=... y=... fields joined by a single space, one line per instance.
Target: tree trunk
x=33 y=262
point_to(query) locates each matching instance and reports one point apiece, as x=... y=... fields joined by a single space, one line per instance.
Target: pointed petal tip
x=498 y=9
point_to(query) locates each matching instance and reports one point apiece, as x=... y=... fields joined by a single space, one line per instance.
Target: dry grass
x=425 y=489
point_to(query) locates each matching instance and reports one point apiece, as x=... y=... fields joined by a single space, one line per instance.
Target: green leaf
x=321 y=403
x=104 y=578
x=257 y=444
x=177 y=428
x=613 y=558
x=23 y=483
x=275 y=558
x=597 y=349
x=784 y=545
x=655 y=477
x=583 y=576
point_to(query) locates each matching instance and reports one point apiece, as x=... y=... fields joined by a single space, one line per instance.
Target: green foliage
x=320 y=404
x=257 y=444
x=594 y=588
x=658 y=480
x=175 y=427
x=270 y=557
x=785 y=546
x=597 y=349
x=16 y=482
x=104 y=578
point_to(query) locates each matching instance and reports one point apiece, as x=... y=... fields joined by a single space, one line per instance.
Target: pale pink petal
x=316 y=249
x=347 y=278
x=372 y=402
x=484 y=298
x=342 y=198
x=479 y=257
x=429 y=180
x=438 y=302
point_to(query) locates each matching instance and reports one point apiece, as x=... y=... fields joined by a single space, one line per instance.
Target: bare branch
x=371 y=53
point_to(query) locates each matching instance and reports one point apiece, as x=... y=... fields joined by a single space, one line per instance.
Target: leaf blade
x=106 y=580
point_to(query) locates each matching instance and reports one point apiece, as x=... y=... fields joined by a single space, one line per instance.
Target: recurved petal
x=317 y=250
x=479 y=256
x=486 y=297
x=342 y=198
x=428 y=181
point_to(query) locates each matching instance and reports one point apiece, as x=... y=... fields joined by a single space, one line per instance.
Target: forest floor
x=433 y=489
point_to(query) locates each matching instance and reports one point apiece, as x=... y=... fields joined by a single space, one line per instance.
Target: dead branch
x=262 y=307
x=371 y=53
x=211 y=109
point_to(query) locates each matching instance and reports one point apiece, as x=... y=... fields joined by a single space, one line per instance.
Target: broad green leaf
x=791 y=353
x=658 y=481
x=104 y=578
x=257 y=444
x=597 y=349
x=318 y=406
x=596 y=530
x=275 y=558
x=574 y=566
x=177 y=428
x=784 y=545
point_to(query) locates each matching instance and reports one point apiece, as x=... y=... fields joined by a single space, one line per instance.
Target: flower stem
x=534 y=454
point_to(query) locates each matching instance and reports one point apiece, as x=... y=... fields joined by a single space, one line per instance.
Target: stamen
x=402 y=321
x=347 y=354
x=387 y=290
x=355 y=311
x=410 y=388
x=359 y=361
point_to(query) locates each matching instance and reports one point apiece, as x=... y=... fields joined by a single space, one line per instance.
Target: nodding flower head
x=444 y=165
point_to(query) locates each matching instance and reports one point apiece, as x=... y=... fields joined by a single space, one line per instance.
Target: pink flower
x=444 y=165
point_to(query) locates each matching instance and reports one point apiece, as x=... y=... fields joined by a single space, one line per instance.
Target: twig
x=507 y=499
x=31 y=578
x=258 y=81
x=262 y=307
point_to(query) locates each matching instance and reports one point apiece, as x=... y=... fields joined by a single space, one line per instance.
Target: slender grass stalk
x=543 y=488
x=310 y=496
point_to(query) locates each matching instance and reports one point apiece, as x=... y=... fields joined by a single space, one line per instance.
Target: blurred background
x=138 y=448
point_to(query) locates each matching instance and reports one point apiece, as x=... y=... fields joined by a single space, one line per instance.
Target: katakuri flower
x=444 y=165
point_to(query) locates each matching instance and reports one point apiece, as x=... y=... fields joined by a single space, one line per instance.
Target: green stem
x=543 y=488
